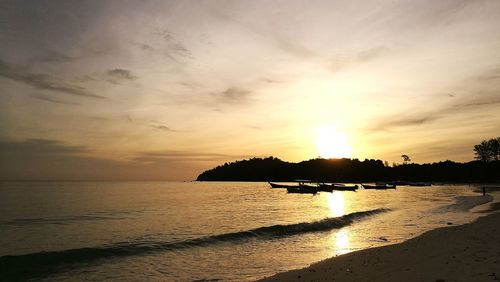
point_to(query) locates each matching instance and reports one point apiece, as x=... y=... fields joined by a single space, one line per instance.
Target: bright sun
x=332 y=143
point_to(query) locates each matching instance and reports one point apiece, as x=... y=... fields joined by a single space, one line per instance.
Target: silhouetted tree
x=351 y=170
x=406 y=159
x=488 y=150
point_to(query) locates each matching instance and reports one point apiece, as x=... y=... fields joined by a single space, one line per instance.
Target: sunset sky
x=167 y=89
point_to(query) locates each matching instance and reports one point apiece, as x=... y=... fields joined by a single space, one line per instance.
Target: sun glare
x=332 y=143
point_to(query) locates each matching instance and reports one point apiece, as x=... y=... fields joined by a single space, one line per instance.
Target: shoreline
x=469 y=252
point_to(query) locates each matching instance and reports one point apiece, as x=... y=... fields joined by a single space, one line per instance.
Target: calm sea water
x=140 y=231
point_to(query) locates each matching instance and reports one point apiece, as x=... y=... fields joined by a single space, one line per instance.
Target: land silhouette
x=485 y=168
x=352 y=170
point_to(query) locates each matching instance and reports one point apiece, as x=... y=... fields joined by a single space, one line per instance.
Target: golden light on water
x=341 y=241
x=335 y=203
x=332 y=143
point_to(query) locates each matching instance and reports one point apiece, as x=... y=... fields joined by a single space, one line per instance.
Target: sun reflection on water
x=336 y=207
x=335 y=203
x=341 y=241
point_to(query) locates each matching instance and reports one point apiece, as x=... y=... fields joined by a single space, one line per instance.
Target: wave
x=464 y=203
x=42 y=263
x=65 y=220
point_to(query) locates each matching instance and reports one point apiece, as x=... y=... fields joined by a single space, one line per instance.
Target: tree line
x=352 y=170
x=488 y=150
x=485 y=169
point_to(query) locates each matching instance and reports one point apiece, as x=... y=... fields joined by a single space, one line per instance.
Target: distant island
x=352 y=170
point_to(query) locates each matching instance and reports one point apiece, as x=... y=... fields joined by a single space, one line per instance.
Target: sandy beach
x=469 y=252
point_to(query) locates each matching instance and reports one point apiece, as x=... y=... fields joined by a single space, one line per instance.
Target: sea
x=206 y=231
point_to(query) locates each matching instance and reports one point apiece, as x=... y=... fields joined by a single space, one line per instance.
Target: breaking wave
x=464 y=203
x=42 y=263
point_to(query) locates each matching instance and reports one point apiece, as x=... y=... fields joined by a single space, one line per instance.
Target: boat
x=323 y=187
x=300 y=183
x=409 y=183
x=419 y=184
x=344 y=187
x=336 y=187
x=276 y=185
x=303 y=189
x=379 y=186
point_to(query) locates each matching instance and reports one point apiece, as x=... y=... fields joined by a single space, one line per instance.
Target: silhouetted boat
x=303 y=189
x=276 y=185
x=300 y=183
x=379 y=186
x=337 y=187
x=419 y=184
x=409 y=183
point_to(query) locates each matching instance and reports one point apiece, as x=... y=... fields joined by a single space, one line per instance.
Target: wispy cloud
x=129 y=119
x=233 y=95
x=278 y=39
x=341 y=62
x=482 y=102
x=52 y=100
x=168 y=46
x=272 y=81
x=489 y=75
x=119 y=75
x=253 y=127
x=160 y=156
x=44 y=82
x=160 y=126
x=29 y=159
x=371 y=53
x=38 y=146
x=405 y=121
x=163 y=127
x=51 y=56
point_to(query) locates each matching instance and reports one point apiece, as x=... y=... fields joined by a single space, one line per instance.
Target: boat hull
x=302 y=190
x=379 y=187
x=337 y=187
x=276 y=185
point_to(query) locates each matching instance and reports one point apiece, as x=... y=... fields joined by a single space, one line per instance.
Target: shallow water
x=133 y=231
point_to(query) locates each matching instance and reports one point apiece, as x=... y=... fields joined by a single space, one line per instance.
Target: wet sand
x=469 y=252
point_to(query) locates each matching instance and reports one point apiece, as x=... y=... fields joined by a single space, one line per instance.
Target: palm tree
x=406 y=159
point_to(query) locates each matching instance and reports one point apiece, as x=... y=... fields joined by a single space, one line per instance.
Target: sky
x=163 y=90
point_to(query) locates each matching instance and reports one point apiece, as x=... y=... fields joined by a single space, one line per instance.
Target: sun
x=332 y=143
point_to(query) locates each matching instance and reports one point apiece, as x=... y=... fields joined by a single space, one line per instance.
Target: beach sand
x=469 y=252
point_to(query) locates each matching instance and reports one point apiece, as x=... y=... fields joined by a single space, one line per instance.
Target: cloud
x=233 y=95
x=280 y=40
x=51 y=56
x=52 y=100
x=489 y=75
x=341 y=62
x=168 y=46
x=253 y=127
x=44 y=82
x=292 y=47
x=160 y=156
x=405 y=121
x=371 y=53
x=121 y=75
x=47 y=159
x=272 y=81
x=160 y=126
x=163 y=127
x=483 y=102
x=37 y=146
